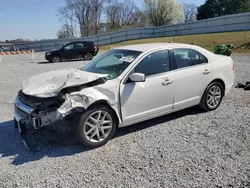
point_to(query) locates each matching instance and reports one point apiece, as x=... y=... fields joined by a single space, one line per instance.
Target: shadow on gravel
x=159 y=120
x=11 y=144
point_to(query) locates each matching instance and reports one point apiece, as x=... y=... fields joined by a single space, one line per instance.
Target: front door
x=68 y=51
x=145 y=100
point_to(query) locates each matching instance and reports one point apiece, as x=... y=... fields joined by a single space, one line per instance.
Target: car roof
x=82 y=42
x=150 y=46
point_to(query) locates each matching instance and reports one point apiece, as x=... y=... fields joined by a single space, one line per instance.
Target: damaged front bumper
x=27 y=115
x=26 y=118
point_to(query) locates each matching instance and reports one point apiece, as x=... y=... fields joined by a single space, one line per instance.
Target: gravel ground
x=184 y=149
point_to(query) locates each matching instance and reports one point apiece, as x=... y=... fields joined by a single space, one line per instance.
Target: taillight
x=233 y=67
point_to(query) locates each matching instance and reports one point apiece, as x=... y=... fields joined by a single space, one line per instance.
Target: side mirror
x=138 y=77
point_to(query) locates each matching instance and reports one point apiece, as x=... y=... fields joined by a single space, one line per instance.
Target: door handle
x=206 y=72
x=167 y=81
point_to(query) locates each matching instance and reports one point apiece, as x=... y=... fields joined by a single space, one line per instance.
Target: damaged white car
x=124 y=86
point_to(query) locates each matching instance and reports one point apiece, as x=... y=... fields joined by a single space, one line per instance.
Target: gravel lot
x=184 y=149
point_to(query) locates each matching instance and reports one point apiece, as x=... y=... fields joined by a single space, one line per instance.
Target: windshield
x=112 y=63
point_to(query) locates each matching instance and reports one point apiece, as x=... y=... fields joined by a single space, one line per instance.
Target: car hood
x=49 y=84
x=51 y=51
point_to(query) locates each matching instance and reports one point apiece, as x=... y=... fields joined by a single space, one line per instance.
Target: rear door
x=78 y=50
x=191 y=76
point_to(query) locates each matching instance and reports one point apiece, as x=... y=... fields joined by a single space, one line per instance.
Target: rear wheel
x=87 y=57
x=212 y=97
x=56 y=59
x=96 y=126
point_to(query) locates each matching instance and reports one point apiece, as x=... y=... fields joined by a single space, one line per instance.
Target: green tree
x=215 y=8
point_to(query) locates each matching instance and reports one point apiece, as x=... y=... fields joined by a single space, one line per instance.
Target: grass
x=241 y=41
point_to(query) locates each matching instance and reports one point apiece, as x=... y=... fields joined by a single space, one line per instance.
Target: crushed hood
x=49 y=84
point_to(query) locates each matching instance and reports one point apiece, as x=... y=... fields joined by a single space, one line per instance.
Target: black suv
x=75 y=50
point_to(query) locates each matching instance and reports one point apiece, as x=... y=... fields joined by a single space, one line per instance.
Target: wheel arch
x=215 y=80
x=219 y=80
x=202 y=101
x=105 y=103
x=56 y=54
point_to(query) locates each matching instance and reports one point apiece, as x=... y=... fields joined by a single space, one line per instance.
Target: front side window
x=188 y=57
x=112 y=63
x=154 y=63
x=69 y=47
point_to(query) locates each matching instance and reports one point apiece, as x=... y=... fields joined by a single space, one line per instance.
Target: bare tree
x=113 y=11
x=178 y=13
x=123 y=14
x=190 y=12
x=140 y=19
x=161 y=12
x=128 y=13
x=65 y=32
x=69 y=25
x=97 y=10
x=86 y=13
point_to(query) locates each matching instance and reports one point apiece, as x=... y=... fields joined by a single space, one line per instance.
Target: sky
x=37 y=19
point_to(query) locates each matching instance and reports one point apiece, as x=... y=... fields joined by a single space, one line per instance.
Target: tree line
x=91 y=17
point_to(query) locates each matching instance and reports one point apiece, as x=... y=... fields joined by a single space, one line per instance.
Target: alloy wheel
x=87 y=56
x=56 y=59
x=214 y=97
x=98 y=126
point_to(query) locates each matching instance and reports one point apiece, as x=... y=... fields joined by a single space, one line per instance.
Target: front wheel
x=96 y=126
x=56 y=59
x=212 y=97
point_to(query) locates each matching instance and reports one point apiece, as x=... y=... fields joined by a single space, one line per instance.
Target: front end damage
x=35 y=113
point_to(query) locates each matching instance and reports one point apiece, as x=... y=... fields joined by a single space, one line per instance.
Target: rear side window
x=188 y=57
x=154 y=63
x=88 y=44
x=78 y=45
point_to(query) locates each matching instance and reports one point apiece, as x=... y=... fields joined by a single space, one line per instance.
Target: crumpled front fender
x=85 y=98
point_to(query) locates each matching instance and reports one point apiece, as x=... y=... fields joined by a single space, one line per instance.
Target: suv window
x=69 y=47
x=88 y=44
x=78 y=45
x=154 y=63
x=188 y=57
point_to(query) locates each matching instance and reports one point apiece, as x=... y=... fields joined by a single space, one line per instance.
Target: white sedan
x=124 y=86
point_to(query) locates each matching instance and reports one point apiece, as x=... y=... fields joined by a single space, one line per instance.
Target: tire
x=56 y=59
x=87 y=57
x=229 y=53
x=80 y=56
x=84 y=132
x=210 y=100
